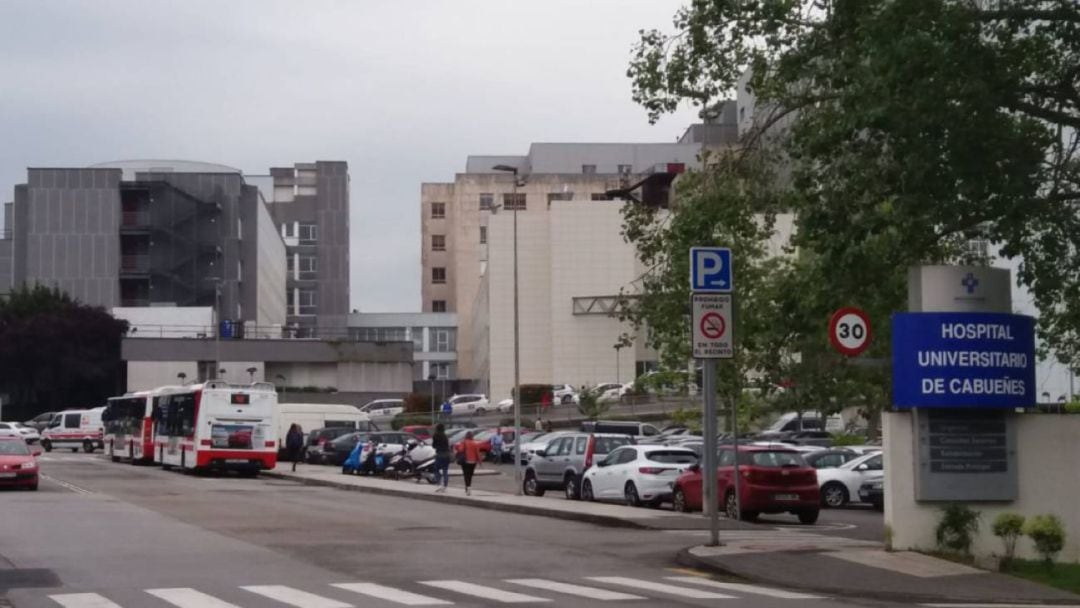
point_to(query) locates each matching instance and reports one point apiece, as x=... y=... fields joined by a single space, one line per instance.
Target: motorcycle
x=415 y=460
x=365 y=459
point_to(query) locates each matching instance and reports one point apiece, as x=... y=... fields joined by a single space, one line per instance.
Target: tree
x=56 y=352
x=910 y=127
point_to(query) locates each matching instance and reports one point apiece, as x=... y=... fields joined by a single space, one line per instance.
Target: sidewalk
x=867 y=572
x=590 y=512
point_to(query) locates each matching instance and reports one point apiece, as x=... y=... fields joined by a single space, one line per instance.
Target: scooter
x=413 y=459
x=365 y=459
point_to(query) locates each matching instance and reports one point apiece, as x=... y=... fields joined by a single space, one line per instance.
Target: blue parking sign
x=710 y=270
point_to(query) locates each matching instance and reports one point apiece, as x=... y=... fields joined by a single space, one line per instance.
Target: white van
x=810 y=421
x=311 y=416
x=74 y=429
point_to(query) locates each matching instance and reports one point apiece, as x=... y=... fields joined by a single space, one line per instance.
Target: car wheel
x=834 y=495
x=678 y=501
x=586 y=491
x=567 y=399
x=570 y=487
x=809 y=517
x=480 y=411
x=631 y=495
x=88 y=446
x=531 y=486
x=46 y=445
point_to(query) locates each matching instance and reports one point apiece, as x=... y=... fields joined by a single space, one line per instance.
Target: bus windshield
x=124 y=415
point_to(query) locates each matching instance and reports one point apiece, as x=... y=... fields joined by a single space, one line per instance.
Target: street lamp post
x=618 y=347
x=517 y=333
x=431 y=378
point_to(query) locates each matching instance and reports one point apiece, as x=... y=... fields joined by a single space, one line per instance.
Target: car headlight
x=28 y=465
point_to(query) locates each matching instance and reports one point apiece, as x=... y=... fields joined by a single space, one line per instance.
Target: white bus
x=129 y=425
x=216 y=425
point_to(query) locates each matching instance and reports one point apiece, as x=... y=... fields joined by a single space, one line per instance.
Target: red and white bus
x=216 y=425
x=129 y=425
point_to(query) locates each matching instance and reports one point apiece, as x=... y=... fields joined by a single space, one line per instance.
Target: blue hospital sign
x=963 y=359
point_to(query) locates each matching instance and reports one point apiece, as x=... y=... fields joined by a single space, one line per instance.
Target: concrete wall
x=1048 y=483
x=270 y=275
x=371 y=377
x=146 y=375
x=7 y=268
x=167 y=321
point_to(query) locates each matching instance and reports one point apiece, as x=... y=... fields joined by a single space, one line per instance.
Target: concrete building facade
x=433 y=335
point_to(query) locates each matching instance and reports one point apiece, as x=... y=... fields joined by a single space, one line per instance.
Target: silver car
x=565 y=458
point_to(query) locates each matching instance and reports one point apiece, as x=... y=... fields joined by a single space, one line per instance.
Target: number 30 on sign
x=849 y=331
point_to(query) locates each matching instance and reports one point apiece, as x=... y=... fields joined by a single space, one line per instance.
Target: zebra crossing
x=443 y=593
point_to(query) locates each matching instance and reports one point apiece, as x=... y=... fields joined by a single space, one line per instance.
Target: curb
x=687 y=559
x=466 y=501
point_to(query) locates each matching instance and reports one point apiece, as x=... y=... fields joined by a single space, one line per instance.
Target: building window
x=441 y=371
x=309 y=267
x=239 y=228
x=417 y=335
x=438 y=274
x=600 y=196
x=512 y=201
x=309 y=233
x=290 y=264
x=560 y=196
x=483 y=235
x=623 y=169
x=442 y=340
x=588 y=169
x=438 y=306
x=308 y=301
x=288 y=230
x=438 y=211
x=438 y=242
x=487 y=200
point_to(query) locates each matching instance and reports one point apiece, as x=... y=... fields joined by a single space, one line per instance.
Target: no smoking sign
x=712 y=337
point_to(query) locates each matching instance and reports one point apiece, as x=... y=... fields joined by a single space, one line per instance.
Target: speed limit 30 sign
x=849 y=331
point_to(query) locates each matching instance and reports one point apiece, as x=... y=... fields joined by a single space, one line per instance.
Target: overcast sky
x=402 y=91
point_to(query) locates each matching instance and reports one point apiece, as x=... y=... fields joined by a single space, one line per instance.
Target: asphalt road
x=103 y=535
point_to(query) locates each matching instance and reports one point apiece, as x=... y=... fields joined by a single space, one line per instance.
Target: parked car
x=636 y=474
x=505 y=406
x=608 y=392
x=18 y=466
x=671 y=434
x=815 y=438
x=873 y=492
x=383 y=408
x=318 y=439
x=840 y=486
x=622 y=427
x=18 y=429
x=74 y=429
x=810 y=421
x=773 y=480
x=422 y=431
x=863 y=449
x=475 y=404
x=565 y=458
x=338 y=450
x=40 y=421
x=564 y=394
x=829 y=459
x=537 y=440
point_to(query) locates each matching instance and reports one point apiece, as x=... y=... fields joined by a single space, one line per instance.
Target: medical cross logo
x=970 y=283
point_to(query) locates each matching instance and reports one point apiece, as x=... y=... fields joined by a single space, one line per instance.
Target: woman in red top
x=469 y=457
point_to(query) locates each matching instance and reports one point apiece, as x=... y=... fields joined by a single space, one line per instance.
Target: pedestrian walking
x=294 y=443
x=441 y=443
x=547 y=426
x=468 y=457
x=497 y=446
x=539 y=426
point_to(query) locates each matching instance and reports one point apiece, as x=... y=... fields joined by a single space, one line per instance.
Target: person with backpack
x=441 y=443
x=294 y=444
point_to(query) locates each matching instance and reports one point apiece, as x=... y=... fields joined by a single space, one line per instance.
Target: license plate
x=236 y=461
x=787 y=497
x=7 y=475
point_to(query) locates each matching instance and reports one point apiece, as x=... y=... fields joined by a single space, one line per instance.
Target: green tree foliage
x=1048 y=534
x=56 y=352
x=956 y=528
x=894 y=131
x=590 y=405
x=1008 y=527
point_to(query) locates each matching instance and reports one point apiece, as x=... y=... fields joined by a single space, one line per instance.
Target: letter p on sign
x=710 y=270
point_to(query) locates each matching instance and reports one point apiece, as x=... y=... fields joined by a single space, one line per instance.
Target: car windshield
x=14 y=448
x=772 y=458
x=672 y=457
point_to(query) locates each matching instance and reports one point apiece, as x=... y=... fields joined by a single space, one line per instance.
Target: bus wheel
x=87 y=446
x=46 y=445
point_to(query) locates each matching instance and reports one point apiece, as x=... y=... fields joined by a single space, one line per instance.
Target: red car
x=18 y=467
x=774 y=480
x=422 y=431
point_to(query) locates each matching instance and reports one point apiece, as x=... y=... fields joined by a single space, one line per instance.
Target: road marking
x=754 y=589
x=593 y=593
x=487 y=593
x=1001 y=605
x=66 y=485
x=186 y=597
x=295 y=597
x=696 y=594
x=391 y=594
x=82 y=600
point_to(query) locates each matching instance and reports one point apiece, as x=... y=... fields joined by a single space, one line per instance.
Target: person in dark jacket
x=294 y=444
x=441 y=443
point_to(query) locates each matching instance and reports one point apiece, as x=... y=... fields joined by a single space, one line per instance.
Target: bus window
x=185 y=406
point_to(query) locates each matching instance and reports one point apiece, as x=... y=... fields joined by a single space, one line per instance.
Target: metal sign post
x=712 y=338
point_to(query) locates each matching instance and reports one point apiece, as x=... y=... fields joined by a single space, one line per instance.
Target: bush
x=1048 y=534
x=590 y=406
x=418 y=403
x=535 y=394
x=690 y=418
x=840 y=440
x=406 y=419
x=1008 y=527
x=957 y=526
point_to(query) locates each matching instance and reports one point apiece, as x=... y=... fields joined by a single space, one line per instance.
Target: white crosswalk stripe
x=635 y=583
x=743 y=588
x=391 y=594
x=487 y=593
x=82 y=600
x=186 y=597
x=295 y=597
x=592 y=593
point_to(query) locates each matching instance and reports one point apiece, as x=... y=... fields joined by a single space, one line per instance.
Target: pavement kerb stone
x=471 y=501
x=687 y=559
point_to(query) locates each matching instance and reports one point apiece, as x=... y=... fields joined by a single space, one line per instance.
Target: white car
x=536 y=440
x=505 y=406
x=840 y=485
x=474 y=404
x=863 y=450
x=28 y=433
x=637 y=474
x=383 y=408
x=564 y=394
x=608 y=392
